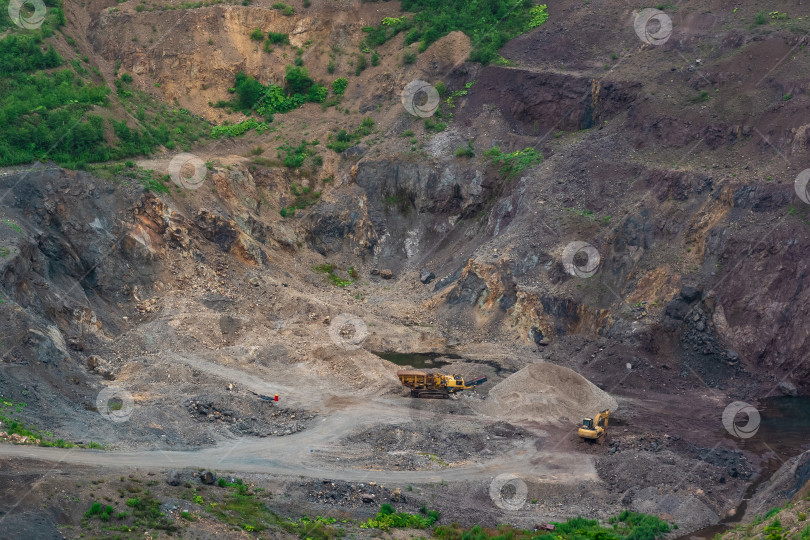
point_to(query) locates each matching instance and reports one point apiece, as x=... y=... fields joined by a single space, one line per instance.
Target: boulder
x=788 y=389
x=172 y=478
x=677 y=309
x=690 y=294
x=93 y=362
x=397 y=496
x=386 y=274
x=208 y=478
x=426 y=276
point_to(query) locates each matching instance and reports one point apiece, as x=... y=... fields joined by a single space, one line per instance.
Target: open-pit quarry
x=604 y=209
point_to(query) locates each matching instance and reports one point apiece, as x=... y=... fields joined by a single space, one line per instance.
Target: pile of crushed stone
x=546 y=393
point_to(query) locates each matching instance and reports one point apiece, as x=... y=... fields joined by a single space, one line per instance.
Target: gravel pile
x=546 y=393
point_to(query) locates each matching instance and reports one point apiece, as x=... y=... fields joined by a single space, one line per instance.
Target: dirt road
x=318 y=452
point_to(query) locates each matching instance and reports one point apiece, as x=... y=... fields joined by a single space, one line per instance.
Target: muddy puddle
x=782 y=434
x=418 y=360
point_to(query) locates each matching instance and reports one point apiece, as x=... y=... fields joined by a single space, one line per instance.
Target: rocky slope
x=675 y=163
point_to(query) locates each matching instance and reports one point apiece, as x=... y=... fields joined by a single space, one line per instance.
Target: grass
x=295 y=156
x=98 y=510
x=235 y=130
x=343 y=140
x=13 y=226
x=514 y=163
x=466 y=151
x=146 y=511
x=13 y=425
x=625 y=526
x=330 y=271
x=304 y=198
x=128 y=172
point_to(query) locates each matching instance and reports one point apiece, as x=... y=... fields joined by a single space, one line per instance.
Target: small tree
x=298 y=80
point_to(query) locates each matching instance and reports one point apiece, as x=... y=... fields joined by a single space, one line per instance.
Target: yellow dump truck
x=435 y=385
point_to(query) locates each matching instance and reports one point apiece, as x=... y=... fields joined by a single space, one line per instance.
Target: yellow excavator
x=595 y=429
x=435 y=385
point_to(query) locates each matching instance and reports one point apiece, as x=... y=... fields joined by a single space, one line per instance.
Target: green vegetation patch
x=146 y=512
x=267 y=100
x=235 y=130
x=388 y=518
x=48 y=107
x=625 y=526
x=514 y=163
x=295 y=156
x=13 y=425
x=277 y=38
x=343 y=139
x=331 y=273
x=488 y=23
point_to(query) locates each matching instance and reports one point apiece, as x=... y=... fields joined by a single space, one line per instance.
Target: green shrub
x=278 y=38
x=298 y=80
x=388 y=518
x=375 y=59
x=408 y=57
x=339 y=85
x=760 y=18
x=538 y=15
x=361 y=65
x=257 y=34
x=466 y=151
x=249 y=91
x=284 y=8
x=432 y=125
